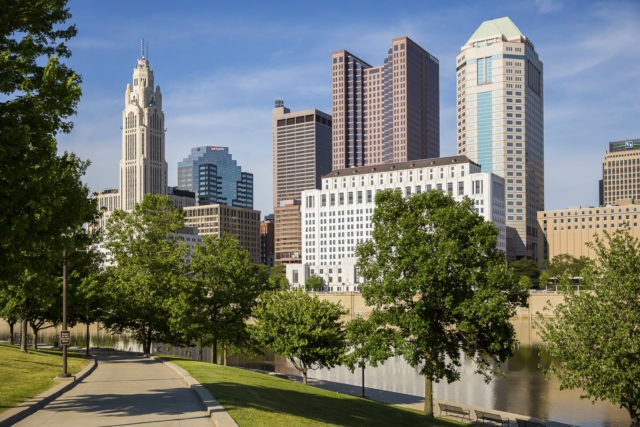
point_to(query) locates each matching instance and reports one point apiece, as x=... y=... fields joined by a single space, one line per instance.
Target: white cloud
x=547 y=6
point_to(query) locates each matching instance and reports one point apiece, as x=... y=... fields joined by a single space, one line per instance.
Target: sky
x=221 y=65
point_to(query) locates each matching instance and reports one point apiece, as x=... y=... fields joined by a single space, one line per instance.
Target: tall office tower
x=385 y=114
x=301 y=155
x=215 y=177
x=620 y=177
x=143 y=169
x=500 y=123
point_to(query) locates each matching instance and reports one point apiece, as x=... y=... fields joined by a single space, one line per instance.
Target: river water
x=522 y=390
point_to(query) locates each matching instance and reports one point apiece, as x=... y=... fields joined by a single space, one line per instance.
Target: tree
x=224 y=287
x=147 y=275
x=304 y=329
x=525 y=267
x=38 y=95
x=437 y=285
x=367 y=344
x=314 y=283
x=594 y=338
x=567 y=265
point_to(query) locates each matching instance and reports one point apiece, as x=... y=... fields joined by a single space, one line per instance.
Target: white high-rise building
x=143 y=169
x=501 y=123
x=337 y=217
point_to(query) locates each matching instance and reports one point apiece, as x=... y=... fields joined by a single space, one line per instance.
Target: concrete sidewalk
x=125 y=389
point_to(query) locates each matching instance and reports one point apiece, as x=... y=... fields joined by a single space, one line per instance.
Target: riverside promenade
x=125 y=390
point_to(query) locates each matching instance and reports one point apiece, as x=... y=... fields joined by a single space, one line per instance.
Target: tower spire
x=142 y=48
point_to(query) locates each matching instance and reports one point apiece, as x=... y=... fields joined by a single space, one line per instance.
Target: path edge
x=219 y=416
x=30 y=406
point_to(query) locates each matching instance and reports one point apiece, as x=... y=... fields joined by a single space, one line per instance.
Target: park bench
x=453 y=410
x=529 y=423
x=494 y=418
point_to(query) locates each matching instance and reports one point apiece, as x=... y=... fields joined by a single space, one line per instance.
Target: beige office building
x=567 y=231
x=388 y=113
x=288 y=232
x=301 y=155
x=501 y=124
x=621 y=172
x=219 y=219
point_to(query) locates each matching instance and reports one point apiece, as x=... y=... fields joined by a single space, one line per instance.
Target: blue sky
x=221 y=65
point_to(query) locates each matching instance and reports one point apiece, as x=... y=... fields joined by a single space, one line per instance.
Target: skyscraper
x=143 y=169
x=301 y=155
x=620 y=178
x=388 y=113
x=215 y=177
x=501 y=123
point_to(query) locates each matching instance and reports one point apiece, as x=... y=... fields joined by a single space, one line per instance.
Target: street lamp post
x=63 y=338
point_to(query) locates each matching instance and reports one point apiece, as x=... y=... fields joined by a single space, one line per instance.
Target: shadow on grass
x=323 y=408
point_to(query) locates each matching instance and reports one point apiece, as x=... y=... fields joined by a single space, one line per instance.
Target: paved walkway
x=125 y=390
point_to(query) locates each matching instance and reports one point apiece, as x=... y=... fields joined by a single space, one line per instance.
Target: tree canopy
x=525 y=271
x=594 y=338
x=147 y=271
x=304 y=329
x=224 y=286
x=438 y=285
x=41 y=194
x=567 y=265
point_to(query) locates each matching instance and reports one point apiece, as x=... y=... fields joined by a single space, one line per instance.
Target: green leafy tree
x=438 y=286
x=147 y=275
x=304 y=329
x=314 y=283
x=594 y=338
x=567 y=265
x=525 y=267
x=224 y=287
x=87 y=299
x=367 y=345
x=38 y=95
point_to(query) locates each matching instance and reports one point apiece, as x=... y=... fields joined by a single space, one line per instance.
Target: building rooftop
x=437 y=161
x=497 y=27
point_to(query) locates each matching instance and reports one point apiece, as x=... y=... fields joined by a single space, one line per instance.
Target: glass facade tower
x=212 y=174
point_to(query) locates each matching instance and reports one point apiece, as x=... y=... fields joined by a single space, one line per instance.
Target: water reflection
x=523 y=390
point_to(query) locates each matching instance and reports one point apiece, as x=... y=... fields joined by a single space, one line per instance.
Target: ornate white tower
x=143 y=169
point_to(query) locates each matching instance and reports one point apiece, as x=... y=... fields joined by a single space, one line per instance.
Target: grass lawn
x=255 y=399
x=25 y=375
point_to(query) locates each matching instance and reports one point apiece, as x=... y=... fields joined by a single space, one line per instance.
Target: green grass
x=255 y=399
x=26 y=375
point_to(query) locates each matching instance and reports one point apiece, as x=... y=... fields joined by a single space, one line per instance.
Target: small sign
x=65 y=337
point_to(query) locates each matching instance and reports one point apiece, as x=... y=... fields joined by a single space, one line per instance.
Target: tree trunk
x=11 y=340
x=200 y=347
x=23 y=336
x=224 y=353
x=304 y=376
x=35 y=338
x=88 y=337
x=214 y=350
x=428 y=397
x=146 y=342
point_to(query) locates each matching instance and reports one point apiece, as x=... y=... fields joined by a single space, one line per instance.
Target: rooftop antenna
x=142 y=48
x=147 y=49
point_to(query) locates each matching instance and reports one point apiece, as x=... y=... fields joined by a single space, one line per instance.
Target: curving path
x=125 y=390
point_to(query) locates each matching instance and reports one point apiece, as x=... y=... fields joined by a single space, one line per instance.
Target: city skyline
x=221 y=69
